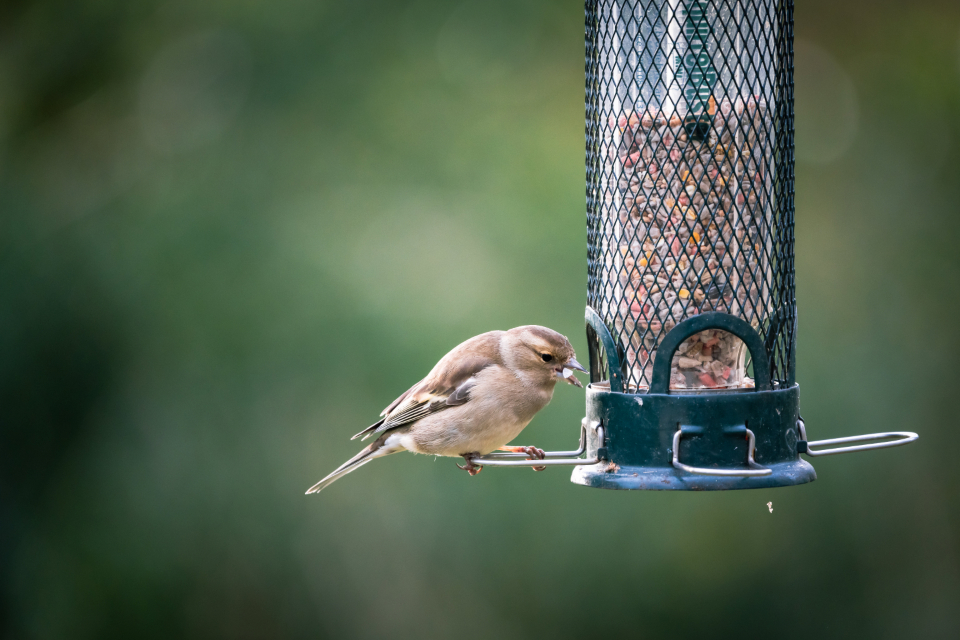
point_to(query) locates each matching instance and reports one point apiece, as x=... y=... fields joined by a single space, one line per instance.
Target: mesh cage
x=689 y=159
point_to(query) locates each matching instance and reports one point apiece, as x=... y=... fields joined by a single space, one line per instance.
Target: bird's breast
x=500 y=406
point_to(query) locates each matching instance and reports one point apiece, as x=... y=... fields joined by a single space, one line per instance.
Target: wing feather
x=461 y=394
x=368 y=429
x=448 y=385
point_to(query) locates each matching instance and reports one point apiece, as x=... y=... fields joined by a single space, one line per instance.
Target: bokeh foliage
x=231 y=232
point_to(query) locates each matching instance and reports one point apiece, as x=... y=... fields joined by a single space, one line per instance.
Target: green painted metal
x=613 y=352
x=639 y=428
x=711 y=320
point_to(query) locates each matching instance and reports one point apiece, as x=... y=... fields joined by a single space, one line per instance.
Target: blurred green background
x=231 y=232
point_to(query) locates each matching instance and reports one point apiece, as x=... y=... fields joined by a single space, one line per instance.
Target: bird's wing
x=448 y=385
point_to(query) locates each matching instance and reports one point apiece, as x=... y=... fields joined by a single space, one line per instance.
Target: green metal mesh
x=689 y=161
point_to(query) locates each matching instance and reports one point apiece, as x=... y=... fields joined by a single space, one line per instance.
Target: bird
x=477 y=398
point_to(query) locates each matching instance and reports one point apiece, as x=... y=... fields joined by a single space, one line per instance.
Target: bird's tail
x=376 y=449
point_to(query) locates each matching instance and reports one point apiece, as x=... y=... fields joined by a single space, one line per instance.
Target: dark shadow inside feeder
x=698 y=127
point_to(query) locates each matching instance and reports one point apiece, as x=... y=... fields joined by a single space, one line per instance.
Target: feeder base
x=723 y=440
x=705 y=441
x=605 y=475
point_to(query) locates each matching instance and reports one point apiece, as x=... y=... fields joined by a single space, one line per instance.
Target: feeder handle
x=754 y=470
x=552 y=458
x=803 y=446
x=660 y=382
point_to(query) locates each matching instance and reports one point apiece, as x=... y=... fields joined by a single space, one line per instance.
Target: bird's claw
x=471 y=467
x=533 y=453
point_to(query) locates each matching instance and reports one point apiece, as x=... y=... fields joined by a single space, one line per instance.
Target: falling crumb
x=770 y=506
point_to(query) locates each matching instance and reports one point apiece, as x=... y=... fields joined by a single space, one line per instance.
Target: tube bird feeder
x=691 y=310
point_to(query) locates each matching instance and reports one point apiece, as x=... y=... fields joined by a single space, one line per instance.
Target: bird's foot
x=533 y=453
x=471 y=467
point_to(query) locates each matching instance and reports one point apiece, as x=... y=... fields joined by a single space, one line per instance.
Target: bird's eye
x=546 y=357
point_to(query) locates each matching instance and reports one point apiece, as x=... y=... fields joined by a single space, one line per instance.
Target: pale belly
x=459 y=430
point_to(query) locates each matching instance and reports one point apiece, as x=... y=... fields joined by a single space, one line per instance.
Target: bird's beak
x=567 y=374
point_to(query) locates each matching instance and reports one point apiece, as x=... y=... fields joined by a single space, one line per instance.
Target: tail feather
x=375 y=449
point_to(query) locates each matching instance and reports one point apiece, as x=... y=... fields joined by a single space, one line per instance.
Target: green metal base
x=712 y=430
x=639 y=431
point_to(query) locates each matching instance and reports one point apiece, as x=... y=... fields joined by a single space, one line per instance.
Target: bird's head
x=541 y=353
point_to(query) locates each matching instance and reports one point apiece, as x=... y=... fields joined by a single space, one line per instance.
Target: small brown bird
x=478 y=398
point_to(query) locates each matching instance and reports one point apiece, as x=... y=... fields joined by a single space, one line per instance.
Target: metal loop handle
x=755 y=470
x=553 y=458
x=904 y=437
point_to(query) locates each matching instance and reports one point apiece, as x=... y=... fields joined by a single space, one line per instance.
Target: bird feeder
x=691 y=316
